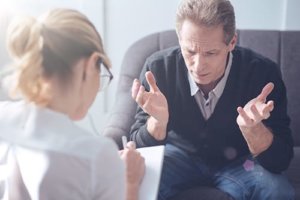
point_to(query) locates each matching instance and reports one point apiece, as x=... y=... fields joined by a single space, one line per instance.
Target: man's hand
x=256 y=134
x=256 y=109
x=153 y=103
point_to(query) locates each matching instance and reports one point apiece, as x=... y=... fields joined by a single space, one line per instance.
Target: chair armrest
x=122 y=115
x=118 y=125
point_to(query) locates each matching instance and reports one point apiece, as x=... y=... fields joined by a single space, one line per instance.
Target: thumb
x=131 y=145
x=151 y=81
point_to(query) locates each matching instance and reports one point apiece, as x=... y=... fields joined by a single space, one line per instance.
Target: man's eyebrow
x=212 y=50
x=188 y=48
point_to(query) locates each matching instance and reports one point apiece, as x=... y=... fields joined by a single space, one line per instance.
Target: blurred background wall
x=121 y=22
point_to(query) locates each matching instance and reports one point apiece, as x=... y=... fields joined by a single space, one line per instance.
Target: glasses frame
x=109 y=74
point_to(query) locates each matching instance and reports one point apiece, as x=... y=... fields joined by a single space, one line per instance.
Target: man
x=219 y=109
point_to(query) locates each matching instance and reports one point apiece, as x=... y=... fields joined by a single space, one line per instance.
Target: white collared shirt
x=208 y=105
x=56 y=158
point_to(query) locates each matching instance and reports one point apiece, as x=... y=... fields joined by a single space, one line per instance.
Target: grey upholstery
x=282 y=47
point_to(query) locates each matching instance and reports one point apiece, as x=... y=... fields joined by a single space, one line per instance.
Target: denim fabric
x=180 y=172
x=243 y=179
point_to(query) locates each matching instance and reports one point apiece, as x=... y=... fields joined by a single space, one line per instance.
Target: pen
x=124 y=141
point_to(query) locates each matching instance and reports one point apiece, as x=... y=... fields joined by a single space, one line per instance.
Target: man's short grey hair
x=208 y=13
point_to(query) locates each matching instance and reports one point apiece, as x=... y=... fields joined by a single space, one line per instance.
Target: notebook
x=153 y=161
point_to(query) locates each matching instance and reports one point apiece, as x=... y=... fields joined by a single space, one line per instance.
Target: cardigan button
x=230 y=153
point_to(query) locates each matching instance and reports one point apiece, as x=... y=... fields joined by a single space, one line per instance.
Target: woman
x=60 y=64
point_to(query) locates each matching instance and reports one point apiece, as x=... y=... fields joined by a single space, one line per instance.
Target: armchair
x=282 y=47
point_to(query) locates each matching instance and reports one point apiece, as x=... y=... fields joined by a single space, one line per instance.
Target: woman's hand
x=135 y=169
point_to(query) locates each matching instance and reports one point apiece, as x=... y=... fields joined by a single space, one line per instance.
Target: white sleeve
x=108 y=177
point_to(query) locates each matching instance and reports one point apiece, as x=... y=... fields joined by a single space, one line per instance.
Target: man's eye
x=210 y=53
x=190 y=52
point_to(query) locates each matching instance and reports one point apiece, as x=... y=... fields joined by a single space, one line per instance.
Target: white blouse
x=55 y=158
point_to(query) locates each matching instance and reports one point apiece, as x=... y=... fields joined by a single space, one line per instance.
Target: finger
x=147 y=105
x=265 y=92
x=135 y=88
x=268 y=108
x=151 y=81
x=270 y=105
x=139 y=96
x=256 y=115
x=121 y=152
x=131 y=145
x=244 y=115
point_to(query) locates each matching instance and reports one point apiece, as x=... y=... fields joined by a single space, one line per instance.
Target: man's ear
x=91 y=65
x=233 y=42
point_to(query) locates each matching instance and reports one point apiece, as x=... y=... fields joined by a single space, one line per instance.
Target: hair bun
x=25 y=43
x=24 y=36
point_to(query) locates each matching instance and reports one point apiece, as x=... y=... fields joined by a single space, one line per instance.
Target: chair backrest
x=283 y=47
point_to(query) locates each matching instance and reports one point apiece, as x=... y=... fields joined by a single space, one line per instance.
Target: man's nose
x=199 y=63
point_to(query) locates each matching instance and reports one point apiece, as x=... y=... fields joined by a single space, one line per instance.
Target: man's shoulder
x=248 y=55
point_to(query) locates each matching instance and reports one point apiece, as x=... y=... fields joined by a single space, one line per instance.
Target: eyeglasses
x=105 y=76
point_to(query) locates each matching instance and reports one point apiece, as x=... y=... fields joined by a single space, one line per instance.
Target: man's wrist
x=253 y=129
x=156 y=128
x=258 y=137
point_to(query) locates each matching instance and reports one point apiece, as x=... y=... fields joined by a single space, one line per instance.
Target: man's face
x=204 y=51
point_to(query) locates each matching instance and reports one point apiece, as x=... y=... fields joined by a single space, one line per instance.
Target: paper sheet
x=153 y=161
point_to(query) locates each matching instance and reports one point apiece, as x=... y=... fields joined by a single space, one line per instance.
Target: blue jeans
x=243 y=179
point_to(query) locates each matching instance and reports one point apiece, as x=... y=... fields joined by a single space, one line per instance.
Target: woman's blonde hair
x=49 y=46
x=208 y=13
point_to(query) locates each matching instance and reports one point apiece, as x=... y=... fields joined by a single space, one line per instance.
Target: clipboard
x=154 y=157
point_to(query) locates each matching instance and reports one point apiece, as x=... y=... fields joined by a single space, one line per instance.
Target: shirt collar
x=218 y=90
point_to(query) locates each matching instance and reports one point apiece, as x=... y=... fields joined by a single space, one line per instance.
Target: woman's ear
x=91 y=65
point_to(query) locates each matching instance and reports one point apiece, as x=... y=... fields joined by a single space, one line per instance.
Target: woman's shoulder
x=10 y=105
x=12 y=112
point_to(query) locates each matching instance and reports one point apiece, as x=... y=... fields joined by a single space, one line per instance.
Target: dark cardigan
x=218 y=140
